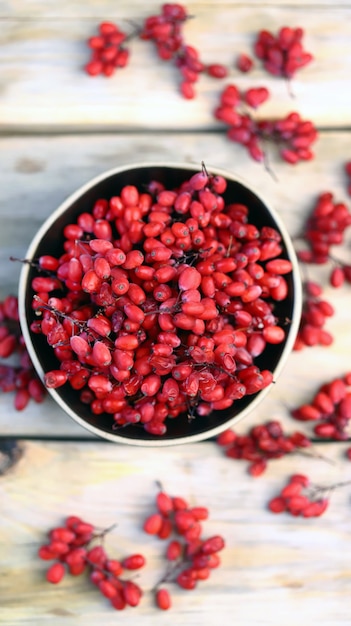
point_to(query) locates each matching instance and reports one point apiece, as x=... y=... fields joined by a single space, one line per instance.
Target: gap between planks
x=33 y=132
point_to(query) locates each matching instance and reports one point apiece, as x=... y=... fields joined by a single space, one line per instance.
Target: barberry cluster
x=71 y=547
x=262 y=444
x=315 y=313
x=109 y=51
x=293 y=134
x=20 y=377
x=161 y=301
x=190 y=557
x=165 y=31
x=282 y=54
x=324 y=228
x=330 y=408
x=300 y=498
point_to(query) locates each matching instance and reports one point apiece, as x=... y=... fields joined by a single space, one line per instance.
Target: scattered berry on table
x=244 y=63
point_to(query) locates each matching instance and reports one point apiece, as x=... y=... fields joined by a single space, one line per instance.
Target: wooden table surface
x=59 y=128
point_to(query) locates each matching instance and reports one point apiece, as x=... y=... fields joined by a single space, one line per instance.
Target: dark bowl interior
x=51 y=243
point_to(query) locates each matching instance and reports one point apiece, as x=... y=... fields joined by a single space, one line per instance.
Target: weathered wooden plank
x=39 y=173
x=43 y=85
x=274 y=568
x=105 y=8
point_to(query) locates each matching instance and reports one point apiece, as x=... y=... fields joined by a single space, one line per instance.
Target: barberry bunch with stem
x=165 y=30
x=292 y=134
x=282 y=54
x=263 y=443
x=190 y=557
x=109 y=51
x=329 y=409
x=316 y=311
x=301 y=498
x=73 y=550
x=324 y=229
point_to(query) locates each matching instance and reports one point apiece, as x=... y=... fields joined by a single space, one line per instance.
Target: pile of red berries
x=70 y=546
x=262 y=444
x=300 y=498
x=315 y=313
x=108 y=51
x=20 y=377
x=283 y=54
x=165 y=31
x=293 y=134
x=330 y=408
x=190 y=557
x=161 y=301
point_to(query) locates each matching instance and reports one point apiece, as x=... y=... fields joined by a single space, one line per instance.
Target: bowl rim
x=293 y=327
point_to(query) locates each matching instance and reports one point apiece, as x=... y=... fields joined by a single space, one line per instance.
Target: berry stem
x=204 y=169
x=289 y=87
x=268 y=167
x=101 y=535
x=27 y=261
x=327 y=488
x=315 y=455
x=52 y=309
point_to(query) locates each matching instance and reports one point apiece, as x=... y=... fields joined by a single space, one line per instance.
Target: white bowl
x=48 y=240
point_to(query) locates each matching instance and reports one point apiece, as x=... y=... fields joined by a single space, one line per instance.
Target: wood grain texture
x=274 y=568
x=43 y=51
x=40 y=172
x=104 y=8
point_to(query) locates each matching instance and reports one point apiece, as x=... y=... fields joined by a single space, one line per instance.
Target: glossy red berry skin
x=55 y=573
x=163 y=599
x=244 y=63
x=134 y=561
